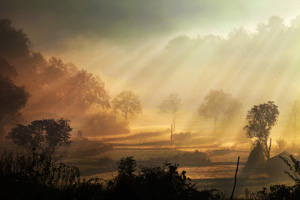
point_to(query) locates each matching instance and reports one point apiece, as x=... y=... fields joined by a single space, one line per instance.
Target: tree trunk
x=268 y=148
x=269 y=153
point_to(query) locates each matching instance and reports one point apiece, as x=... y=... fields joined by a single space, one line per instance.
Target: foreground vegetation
x=34 y=173
x=29 y=176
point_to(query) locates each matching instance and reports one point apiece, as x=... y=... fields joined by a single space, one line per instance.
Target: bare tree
x=127 y=103
x=219 y=106
x=171 y=105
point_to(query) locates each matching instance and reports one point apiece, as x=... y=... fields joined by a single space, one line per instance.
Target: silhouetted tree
x=126 y=166
x=12 y=99
x=261 y=119
x=219 y=106
x=127 y=103
x=42 y=137
x=87 y=89
x=171 y=105
x=7 y=70
x=14 y=43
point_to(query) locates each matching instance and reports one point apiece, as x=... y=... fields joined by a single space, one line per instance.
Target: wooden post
x=236 y=171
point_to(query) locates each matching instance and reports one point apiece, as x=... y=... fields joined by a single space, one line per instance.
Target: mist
x=176 y=85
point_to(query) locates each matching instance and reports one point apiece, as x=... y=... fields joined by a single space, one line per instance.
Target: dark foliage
x=14 y=43
x=30 y=177
x=164 y=182
x=12 y=99
x=294 y=168
x=33 y=176
x=277 y=192
x=256 y=161
x=42 y=137
x=261 y=119
x=7 y=70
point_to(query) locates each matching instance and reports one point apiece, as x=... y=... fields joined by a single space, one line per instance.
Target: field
x=218 y=173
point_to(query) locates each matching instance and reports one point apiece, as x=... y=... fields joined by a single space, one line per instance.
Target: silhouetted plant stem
x=236 y=171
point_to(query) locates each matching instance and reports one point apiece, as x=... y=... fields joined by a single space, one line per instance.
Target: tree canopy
x=12 y=99
x=261 y=119
x=42 y=136
x=171 y=105
x=219 y=105
x=127 y=103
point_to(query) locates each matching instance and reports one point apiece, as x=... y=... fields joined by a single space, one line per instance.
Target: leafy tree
x=261 y=119
x=126 y=166
x=12 y=99
x=219 y=105
x=42 y=137
x=171 y=105
x=86 y=90
x=7 y=70
x=127 y=103
x=14 y=43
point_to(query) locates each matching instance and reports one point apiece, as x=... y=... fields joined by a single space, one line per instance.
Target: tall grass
x=33 y=168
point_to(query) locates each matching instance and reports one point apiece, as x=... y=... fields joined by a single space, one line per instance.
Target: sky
x=158 y=47
x=51 y=24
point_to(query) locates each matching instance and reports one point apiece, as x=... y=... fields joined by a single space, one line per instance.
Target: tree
x=7 y=70
x=261 y=119
x=42 y=137
x=171 y=105
x=12 y=99
x=14 y=43
x=126 y=166
x=127 y=103
x=86 y=90
x=219 y=106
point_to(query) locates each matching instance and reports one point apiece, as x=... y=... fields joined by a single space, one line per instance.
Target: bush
x=26 y=176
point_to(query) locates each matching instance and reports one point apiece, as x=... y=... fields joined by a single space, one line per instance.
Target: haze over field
x=75 y=57
x=111 y=85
